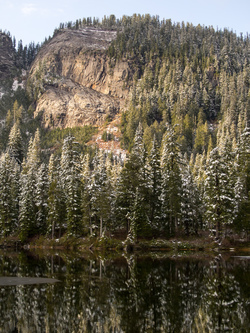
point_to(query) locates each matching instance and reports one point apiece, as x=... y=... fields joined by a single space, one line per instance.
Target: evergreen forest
x=186 y=130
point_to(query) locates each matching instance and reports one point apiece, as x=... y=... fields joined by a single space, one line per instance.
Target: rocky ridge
x=74 y=81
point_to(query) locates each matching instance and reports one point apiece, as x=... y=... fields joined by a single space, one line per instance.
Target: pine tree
x=218 y=192
x=86 y=193
x=56 y=208
x=153 y=177
x=9 y=194
x=242 y=186
x=171 y=182
x=34 y=152
x=100 y=193
x=71 y=182
x=113 y=169
x=15 y=144
x=138 y=217
x=28 y=209
x=133 y=180
x=190 y=203
x=41 y=199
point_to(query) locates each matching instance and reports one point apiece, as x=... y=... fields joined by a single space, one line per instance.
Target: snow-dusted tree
x=190 y=203
x=15 y=144
x=41 y=198
x=71 y=183
x=56 y=207
x=100 y=193
x=171 y=182
x=242 y=186
x=218 y=192
x=139 y=219
x=27 y=208
x=133 y=180
x=153 y=176
x=28 y=181
x=9 y=194
x=86 y=192
x=34 y=152
x=113 y=168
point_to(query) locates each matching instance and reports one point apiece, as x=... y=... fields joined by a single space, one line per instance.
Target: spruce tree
x=56 y=207
x=113 y=169
x=71 y=183
x=242 y=186
x=171 y=182
x=100 y=193
x=86 y=193
x=133 y=180
x=28 y=209
x=218 y=192
x=9 y=194
x=190 y=203
x=15 y=144
x=153 y=175
x=138 y=218
x=41 y=199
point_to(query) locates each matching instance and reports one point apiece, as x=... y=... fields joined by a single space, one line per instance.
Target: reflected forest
x=126 y=294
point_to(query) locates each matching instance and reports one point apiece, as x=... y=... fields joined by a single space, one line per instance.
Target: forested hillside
x=186 y=128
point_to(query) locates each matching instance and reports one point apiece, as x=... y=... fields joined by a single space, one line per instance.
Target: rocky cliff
x=75 y=83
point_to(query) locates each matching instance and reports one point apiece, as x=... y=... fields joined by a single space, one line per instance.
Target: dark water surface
x=159 y=293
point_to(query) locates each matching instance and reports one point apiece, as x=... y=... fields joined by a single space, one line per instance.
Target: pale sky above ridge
x=33 y=20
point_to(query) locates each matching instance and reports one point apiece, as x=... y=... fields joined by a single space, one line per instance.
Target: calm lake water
x=157 y=293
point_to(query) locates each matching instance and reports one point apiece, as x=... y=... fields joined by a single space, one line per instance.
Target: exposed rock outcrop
x=70 y=104
x=75 y=81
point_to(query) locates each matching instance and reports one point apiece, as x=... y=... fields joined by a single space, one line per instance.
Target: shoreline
x=176 y=244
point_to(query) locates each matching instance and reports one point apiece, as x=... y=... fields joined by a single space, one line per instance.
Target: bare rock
x=70 y=104
x=77 y=82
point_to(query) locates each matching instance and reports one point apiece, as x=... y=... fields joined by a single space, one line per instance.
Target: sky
x=33 y=20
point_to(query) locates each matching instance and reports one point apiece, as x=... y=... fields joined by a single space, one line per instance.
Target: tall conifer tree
x=218 y=192
x=171 y=182
x=71 y=182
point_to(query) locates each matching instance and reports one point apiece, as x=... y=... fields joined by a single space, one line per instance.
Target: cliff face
x=74 y=81
x=70 y=104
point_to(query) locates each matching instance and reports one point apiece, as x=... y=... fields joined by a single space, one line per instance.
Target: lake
x=161 y=292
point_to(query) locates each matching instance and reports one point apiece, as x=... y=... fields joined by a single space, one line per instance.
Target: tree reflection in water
x=125 y=294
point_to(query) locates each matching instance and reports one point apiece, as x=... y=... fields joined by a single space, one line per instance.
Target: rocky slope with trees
x=183 y=95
